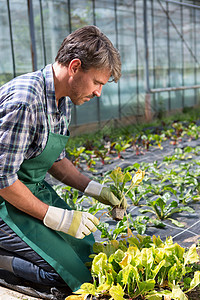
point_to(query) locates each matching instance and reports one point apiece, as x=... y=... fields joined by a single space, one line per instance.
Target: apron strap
x=49 y=122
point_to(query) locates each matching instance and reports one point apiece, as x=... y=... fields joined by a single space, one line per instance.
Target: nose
x=97 y=91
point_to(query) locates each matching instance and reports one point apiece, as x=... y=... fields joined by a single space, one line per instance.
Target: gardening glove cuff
x=101 y=193
x=75 y=223
x=93 y=189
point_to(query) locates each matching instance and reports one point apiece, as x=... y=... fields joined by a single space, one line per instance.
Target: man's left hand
x=103 y=194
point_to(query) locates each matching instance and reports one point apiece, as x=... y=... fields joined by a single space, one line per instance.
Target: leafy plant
x=121 y=145
x=120 y=179
x=70 y=196
x=163 y=211
x=124 y=227
x=102 y=153
x=75 y=154
x=88 y=155
x=143 y=268
x=159 y=138
x=120 y=230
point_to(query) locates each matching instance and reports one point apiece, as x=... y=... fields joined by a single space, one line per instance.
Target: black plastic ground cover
x=184 y=236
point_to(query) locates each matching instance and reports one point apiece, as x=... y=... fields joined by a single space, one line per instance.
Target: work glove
x=103 y=194
x=75 y=223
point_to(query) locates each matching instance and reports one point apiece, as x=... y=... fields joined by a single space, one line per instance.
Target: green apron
x=66 y=254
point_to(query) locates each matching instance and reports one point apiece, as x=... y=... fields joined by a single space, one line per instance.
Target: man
x=41 y=238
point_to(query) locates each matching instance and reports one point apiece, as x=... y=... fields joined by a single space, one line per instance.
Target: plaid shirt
x=23 y=120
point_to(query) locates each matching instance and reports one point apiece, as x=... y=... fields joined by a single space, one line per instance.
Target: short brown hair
x=93 y=48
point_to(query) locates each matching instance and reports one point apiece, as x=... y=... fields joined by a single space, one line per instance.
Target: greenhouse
x=157 y=39
x=109 y=211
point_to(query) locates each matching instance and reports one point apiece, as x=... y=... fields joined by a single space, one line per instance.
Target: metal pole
x=146 y=49
x=11 y=39
x=183 y=4
x=195 y=50
x=42 y=30
x=32 y=35
x=148 y=114
x=117 y=45
x=70 y=30
x=98 y=98
x=153 y=52
x=182 y=56
x=171 y=89
x=69 y=16
x=178 y=32
x=136 y=55
x=93 y=12
x=168 y=55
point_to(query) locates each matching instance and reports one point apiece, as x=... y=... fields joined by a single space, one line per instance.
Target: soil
x=117 y=213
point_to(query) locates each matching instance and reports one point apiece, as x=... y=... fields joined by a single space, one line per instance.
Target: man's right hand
x=75 y=223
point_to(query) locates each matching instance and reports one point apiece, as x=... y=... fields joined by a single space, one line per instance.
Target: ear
x=74 y=66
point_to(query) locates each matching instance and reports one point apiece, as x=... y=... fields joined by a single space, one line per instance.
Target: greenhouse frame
x=157 y=40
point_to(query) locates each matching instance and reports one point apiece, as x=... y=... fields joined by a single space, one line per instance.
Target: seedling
x=102 y=154
x=120 y=186
x=121 y=146
x=75 y=154
x=163 y=211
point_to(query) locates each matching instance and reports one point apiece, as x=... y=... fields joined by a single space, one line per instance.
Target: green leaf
x=157 y=268
x=195 y=281
x=191 y=255
x=110 y=249
x=140 y=227
x=143 y=211
x=115 y=191
x=124 y=274
x=161 y=203
x=118 y=255
x=116 y=292
x=177 y=293
x=172 y=273
x=133 y=241
x=188 y=209
x=147 y=259
x=157 y=241
x=99 y=265
x=98 y=247
x=127 y=177
x=157 y=223
x=117 y=176
x=145 y=286
x=177 y=223
x=155 y=295
x=188 y=149
x=86 y=289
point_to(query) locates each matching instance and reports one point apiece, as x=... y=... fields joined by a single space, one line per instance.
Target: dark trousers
x=27 y=263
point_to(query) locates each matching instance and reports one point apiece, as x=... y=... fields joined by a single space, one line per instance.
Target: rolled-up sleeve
x=16 y=131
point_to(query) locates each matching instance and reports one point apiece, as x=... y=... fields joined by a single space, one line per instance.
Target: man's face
x=86 y=85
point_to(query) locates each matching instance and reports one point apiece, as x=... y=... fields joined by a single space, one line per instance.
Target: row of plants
x=89 y=152
x=141 y=268
x=160 y=192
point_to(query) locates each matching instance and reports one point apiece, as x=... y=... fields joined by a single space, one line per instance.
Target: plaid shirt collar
x=65 y=103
